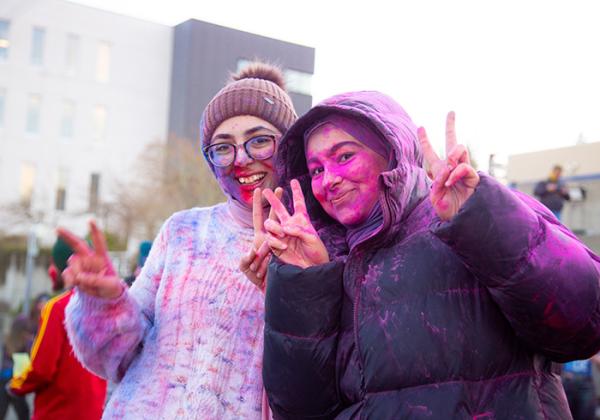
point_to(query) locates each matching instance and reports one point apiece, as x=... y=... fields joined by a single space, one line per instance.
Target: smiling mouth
x=339 y=198
x=252 y=179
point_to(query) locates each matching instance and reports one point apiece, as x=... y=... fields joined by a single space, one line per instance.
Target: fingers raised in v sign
x=454 y=177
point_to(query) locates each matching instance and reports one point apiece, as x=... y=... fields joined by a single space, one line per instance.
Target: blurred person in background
x=579 y=387
x=186 y=340
x=143 y=252
x=63 y=388
x=553 y=192
x=19 y=341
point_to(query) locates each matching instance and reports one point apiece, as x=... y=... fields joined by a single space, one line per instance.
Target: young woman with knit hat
x=186 y=341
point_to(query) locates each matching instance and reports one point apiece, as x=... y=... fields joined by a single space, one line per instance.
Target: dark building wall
x=203 y=56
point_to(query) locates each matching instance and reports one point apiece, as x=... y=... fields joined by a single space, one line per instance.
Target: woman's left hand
x=454 y=179
x=254 y=264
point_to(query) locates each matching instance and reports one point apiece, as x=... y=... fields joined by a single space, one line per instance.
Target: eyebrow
x=248 y=132
x=335 y=148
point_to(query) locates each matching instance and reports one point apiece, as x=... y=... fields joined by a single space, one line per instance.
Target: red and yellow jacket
x=64 y=388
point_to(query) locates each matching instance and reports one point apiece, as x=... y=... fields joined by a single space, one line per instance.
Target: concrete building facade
x=84 y=91
x=205 y=54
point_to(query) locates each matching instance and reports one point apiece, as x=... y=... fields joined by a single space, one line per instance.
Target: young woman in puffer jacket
x=396 y=298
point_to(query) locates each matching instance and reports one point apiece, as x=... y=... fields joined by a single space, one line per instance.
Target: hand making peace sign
x=90 y=269
x=454 y=179
x=292 y=238
x=254 y=264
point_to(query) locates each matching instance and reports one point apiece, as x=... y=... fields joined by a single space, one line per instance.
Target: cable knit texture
x=186 y=340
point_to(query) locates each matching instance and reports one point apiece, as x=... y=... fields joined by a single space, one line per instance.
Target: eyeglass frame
x=273 y=138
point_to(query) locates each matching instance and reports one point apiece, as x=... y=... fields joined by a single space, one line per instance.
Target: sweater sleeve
x=302 y=317
x=545 y=281
x=45 y=351
x=107 y=334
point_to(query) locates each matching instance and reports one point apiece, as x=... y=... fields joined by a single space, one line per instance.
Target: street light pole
x=32 y=252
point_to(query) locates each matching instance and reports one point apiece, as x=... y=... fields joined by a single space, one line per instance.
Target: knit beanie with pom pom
x=257 y=90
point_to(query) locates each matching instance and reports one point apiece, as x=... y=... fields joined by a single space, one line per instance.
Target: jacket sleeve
x=545 y=281
x=107 y=334
x=302 y=317
x=45 y=351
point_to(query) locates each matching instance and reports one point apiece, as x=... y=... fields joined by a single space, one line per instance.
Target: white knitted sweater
x=186 y=341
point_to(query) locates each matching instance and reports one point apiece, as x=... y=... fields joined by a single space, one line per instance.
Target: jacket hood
x=401 y=188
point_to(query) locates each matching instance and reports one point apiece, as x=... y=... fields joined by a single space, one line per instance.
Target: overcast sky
x=522 y=75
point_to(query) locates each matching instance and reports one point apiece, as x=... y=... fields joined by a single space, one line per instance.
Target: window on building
x=94 y=192
x=295 y=81
x=103 y=62
x=298 y=81
x=27 y=184
x=37 y=46
x=61 y=198
x=2 y=106
x=61 y=189
x=100 y=120
x=34 y=106
x=72 y=54
x=242 y=63
x=4 y=41
x=67 y=122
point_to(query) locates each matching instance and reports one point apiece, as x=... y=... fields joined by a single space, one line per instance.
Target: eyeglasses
x=258 y=148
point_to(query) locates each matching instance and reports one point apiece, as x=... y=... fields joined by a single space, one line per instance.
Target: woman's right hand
x=292 y=238
x=90 y=269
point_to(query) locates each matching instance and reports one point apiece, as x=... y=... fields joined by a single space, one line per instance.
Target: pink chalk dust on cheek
x=346 y=183
x=228 y=179
x=238 y=180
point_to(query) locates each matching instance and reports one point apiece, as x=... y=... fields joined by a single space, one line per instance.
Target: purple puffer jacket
x=427 y=319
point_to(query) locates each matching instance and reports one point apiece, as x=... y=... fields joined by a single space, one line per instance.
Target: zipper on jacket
x=352 y=268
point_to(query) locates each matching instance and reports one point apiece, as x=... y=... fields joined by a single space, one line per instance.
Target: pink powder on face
x=237 y=130
x=228 y=178
x=344 y=174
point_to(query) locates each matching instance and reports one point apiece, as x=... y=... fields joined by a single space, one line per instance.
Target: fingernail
x=259 y=275
x=253 y=267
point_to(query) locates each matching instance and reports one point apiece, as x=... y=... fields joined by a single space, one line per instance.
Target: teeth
x=251 y=179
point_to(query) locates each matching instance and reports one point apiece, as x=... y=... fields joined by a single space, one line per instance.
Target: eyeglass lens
x=258 y=148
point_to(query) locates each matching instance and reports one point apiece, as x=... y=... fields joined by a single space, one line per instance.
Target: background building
x=203 y=56
x=581 y=169
x=83 y=92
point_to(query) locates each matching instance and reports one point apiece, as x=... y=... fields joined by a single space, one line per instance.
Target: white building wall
x=136 y=97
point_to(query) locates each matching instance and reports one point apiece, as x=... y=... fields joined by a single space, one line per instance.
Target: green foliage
x=114 y=242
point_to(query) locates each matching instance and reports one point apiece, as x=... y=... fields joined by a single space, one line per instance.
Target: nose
x=241 y=157
x=330 y=179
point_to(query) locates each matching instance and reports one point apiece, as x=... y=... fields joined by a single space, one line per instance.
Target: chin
x=244 y=198
x=269 y=183
x=350 y=220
